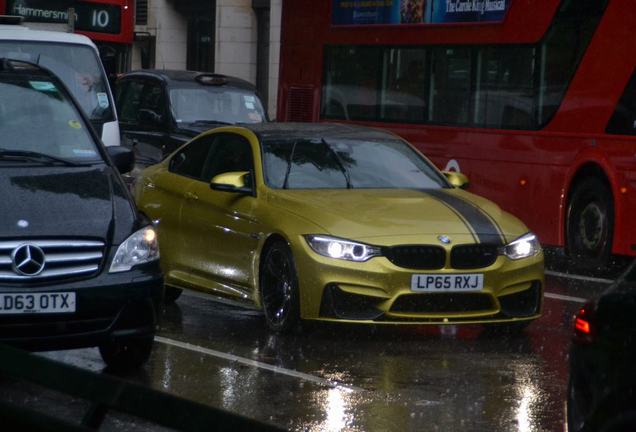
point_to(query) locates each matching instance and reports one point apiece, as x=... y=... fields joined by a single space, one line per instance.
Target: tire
x=126 y=355
x=171 y=294
x=590 y=223
x=278 y=284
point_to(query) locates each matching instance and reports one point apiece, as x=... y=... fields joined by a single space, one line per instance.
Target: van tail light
x=584 y=324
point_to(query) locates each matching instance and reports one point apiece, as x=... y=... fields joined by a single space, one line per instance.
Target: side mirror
x=233 y=181
x=149 y=116
x=457 y=179
x=123 y=158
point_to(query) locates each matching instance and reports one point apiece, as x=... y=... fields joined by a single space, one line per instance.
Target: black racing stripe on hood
x=485 y=229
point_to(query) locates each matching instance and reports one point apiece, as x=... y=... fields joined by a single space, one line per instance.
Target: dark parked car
x=78 y=264
x=161 y=109
x=602 y=386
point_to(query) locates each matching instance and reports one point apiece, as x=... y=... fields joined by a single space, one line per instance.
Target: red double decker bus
x=535 y=103
x=108 y=23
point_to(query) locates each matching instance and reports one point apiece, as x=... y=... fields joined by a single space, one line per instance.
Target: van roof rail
x=11 y=19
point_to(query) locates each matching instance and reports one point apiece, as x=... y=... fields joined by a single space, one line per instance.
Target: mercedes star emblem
x=28 y=260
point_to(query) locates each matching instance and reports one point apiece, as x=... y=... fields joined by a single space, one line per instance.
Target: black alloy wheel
x=126 y=355
x=590 y=223
x=279 y=288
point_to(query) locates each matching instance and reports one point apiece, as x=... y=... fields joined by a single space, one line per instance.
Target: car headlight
x=342 y=249
x=139 y=248
x=525 y=246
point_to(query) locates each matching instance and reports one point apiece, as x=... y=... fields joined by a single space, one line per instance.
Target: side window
x=152 y=98
x=404 y=92
x=504 y=97
x=623 y=121
x=562 y=50
x=352 y=77
x=450 y=92
x=230 y=153
x=128 y=100
x=190 y=160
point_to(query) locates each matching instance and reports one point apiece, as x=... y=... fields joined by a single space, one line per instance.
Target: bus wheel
x=590 y=222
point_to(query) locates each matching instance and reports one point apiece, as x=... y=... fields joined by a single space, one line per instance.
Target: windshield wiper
x=211 y=122
x=345 y=173
x=34 y=157
x=289 y=164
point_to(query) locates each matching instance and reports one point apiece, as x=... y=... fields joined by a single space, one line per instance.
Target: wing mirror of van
x=123 y=158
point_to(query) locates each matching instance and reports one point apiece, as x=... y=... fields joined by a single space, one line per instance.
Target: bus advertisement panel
x=352 y=12
x=536 y=106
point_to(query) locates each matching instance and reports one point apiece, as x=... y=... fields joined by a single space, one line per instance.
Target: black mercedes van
x=79 y=265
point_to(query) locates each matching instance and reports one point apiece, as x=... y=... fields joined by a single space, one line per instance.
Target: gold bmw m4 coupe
x=337 y=223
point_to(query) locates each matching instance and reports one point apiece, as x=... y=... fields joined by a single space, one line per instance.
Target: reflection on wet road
x=337 y=378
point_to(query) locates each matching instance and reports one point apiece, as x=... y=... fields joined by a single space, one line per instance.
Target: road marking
x=257 y=364
x=566 y=298
x=578 y=277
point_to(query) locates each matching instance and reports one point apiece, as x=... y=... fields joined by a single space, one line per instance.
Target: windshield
x=347 y=163
x=78 y=67
x=36 y=116
x=221 y=104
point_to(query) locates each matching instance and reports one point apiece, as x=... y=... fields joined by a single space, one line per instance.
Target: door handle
x=191 y=196
x=149 y=184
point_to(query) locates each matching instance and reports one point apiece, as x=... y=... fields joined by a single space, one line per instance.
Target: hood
x=58 y=202
x=386 y=215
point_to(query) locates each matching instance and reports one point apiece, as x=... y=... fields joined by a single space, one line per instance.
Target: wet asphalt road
x=337 y=378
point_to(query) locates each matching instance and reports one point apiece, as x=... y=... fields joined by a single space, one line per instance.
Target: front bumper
x=108 y=307
x=379 y=292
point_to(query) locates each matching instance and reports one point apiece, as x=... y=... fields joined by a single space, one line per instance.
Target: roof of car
x=317 y=131
x=185 y=76
x=20 y=32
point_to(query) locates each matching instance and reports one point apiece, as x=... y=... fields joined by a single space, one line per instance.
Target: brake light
x=584 y=324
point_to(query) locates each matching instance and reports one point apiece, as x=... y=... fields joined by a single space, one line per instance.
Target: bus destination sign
x=91 y=17
x=366 y=12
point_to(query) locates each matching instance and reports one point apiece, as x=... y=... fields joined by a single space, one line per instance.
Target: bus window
x=450 y=92
x=504 y=97
x=562 y=50
x=404 y=85
x=351 y=83
x=623 y=121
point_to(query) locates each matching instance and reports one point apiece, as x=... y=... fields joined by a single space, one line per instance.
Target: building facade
x=233 y=37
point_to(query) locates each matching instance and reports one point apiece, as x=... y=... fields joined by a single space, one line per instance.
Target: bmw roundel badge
x=444 y=239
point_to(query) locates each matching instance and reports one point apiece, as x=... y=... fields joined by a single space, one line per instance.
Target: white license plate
x=444 y=283
x=37 y=303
